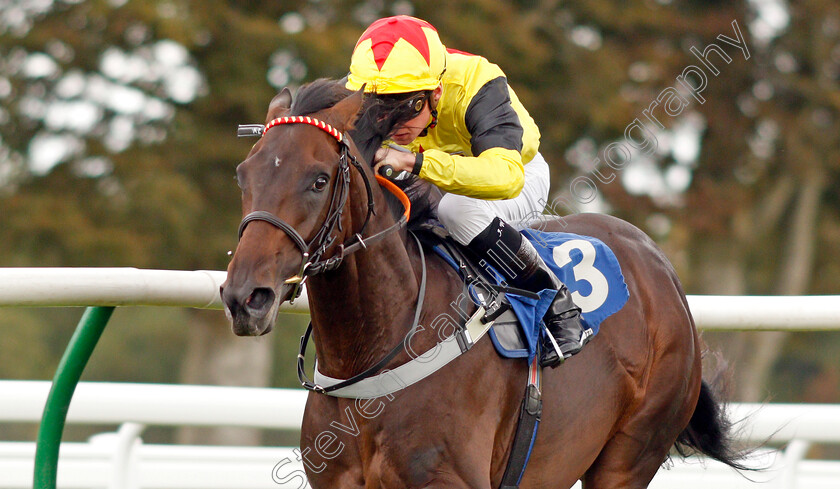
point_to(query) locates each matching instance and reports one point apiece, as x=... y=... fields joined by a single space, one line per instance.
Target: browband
x=258 y=130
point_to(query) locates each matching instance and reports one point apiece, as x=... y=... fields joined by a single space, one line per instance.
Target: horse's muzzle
x=251 y=309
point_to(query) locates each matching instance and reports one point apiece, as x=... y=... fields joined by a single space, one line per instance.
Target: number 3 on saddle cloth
x=589 y=269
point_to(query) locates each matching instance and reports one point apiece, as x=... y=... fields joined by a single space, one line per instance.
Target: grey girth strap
x=419 y=368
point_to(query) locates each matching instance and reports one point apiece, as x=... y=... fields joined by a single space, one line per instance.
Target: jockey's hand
x=399 y=160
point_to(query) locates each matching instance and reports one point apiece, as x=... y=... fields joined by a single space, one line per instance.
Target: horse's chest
x=439 y=433
x=368 y=444
x=391 y=469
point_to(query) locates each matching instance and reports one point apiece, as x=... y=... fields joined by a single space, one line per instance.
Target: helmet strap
x=434 y=121
x=431 y=125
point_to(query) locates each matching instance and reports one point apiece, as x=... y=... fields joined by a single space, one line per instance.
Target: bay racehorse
x=610 y=414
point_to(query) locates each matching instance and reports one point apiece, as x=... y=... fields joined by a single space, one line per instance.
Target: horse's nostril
x=260 y=299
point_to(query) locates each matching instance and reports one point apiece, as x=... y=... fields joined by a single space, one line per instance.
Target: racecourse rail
x=111 y=287
x=103 y=289
x=120 y=459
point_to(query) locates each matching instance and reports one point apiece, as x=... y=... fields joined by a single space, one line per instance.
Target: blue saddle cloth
x=589 y=269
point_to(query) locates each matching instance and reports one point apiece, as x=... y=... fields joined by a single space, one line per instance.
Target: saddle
x=484 y=286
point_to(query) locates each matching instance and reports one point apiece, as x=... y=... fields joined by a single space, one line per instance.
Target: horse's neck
x=364 y=308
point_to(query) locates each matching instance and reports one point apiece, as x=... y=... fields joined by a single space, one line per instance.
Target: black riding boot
x=503 y=247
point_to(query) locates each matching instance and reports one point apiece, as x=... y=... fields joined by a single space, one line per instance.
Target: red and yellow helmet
x=397 y=55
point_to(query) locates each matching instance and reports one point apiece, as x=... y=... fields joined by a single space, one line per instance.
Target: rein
x=316 y=387
x=313 y=251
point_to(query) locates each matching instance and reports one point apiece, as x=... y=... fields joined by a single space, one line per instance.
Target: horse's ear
x=347 y=110
x=280 y=104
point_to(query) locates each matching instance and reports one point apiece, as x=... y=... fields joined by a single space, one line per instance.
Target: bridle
x=313 y=251
x=313 y=262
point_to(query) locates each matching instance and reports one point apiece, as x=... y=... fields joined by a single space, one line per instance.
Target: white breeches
x=466 y=217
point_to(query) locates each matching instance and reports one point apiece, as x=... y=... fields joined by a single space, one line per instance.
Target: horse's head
x=294 y=186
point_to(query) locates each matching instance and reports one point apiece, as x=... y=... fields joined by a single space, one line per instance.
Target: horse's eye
x=320 y=183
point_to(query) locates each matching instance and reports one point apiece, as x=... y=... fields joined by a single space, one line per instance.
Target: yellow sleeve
x=495 y=174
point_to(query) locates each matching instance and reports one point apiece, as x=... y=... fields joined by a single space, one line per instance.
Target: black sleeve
x=491 y=120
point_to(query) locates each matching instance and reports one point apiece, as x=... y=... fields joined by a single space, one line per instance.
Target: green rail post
x=66 y=378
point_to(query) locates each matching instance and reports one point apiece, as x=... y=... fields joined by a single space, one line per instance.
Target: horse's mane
x=324 y=93
x=318 y=95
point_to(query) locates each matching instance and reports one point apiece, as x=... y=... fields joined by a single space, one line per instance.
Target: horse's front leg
x=447 y=483
x=444 y=479
x=428 y=466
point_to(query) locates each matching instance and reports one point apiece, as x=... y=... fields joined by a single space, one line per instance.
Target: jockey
x=467 y=133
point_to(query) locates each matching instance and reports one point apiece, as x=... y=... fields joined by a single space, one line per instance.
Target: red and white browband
x=299 y=119
x=259 y=130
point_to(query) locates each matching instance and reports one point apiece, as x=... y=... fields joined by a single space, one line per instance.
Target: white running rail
x=121 y=460
x=132 y=286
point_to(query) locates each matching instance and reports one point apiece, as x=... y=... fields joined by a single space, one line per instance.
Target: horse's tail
x=710 y=432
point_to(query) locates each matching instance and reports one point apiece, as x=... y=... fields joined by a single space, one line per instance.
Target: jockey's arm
x=496 y=171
